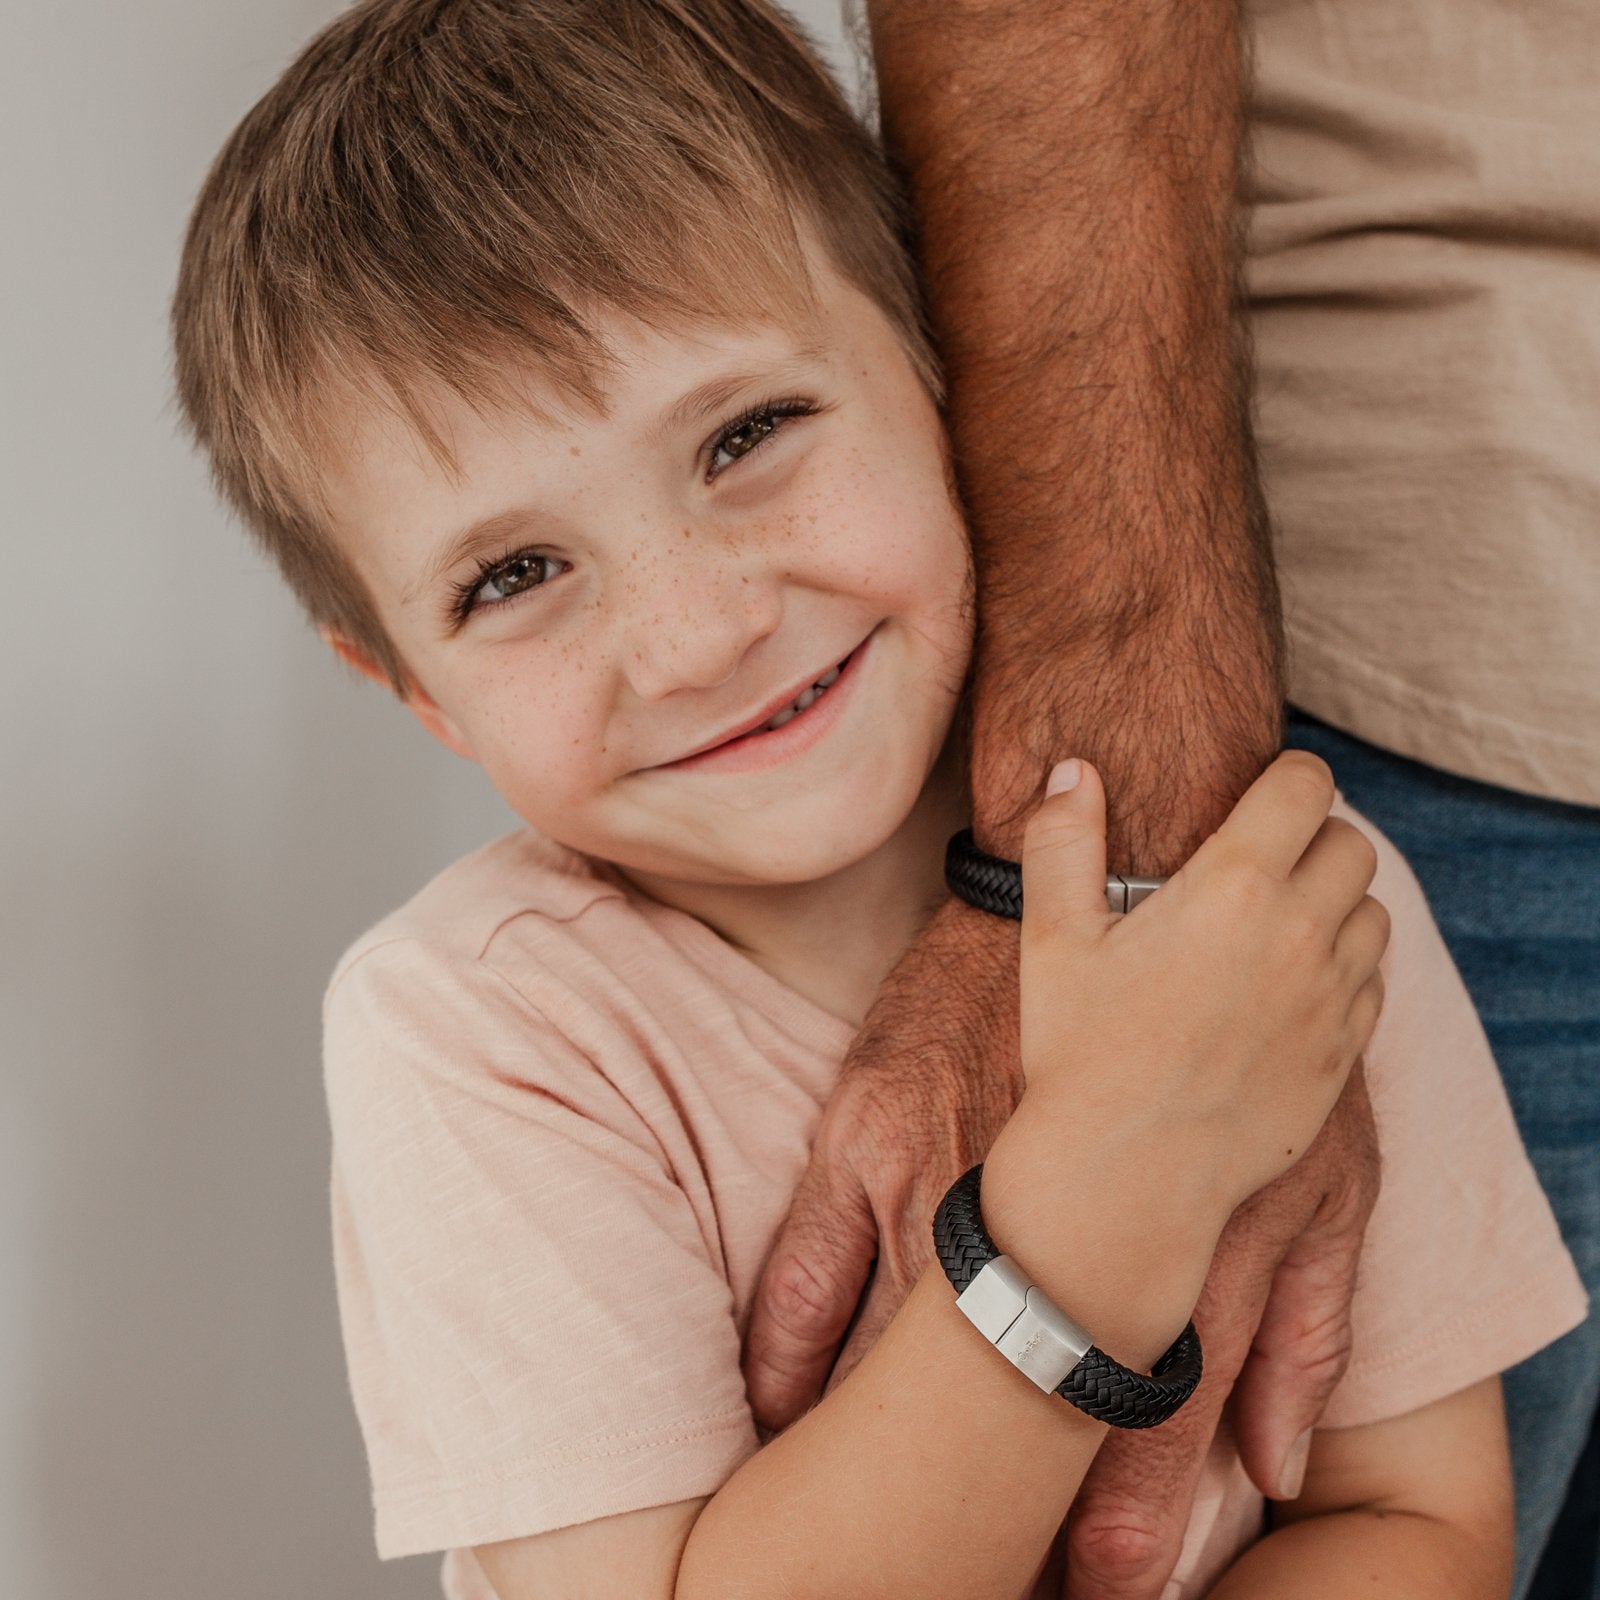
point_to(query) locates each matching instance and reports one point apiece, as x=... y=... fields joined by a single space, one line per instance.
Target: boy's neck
x=836 y=939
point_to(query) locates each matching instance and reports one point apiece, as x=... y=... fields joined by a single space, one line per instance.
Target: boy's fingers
x=1361 y=941
x=1365 y=1010
x=1337 y=869
x=1064 y=855
x=1280 y=813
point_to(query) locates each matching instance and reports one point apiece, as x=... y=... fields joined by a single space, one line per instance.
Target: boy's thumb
x=1064 y=854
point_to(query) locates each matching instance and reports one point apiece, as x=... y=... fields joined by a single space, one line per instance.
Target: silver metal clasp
x=1033 y=1333
x=1124 y=893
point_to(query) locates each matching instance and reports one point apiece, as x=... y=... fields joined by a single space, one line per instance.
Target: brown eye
x=513 y=577
x=521 y=572
x=743 y=439
x=745 y=435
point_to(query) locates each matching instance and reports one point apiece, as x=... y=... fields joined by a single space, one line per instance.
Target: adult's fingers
x=1279 y=815
x=886 y=1294
x=1128 y=1521
x=905 y=1248
x=809 y=1290
x=1303 y=1344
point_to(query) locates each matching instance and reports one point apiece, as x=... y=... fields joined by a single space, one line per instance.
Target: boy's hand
x=924 y=1091
x=1213 y=1027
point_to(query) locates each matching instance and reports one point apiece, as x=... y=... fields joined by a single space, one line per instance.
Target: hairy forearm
x=1072 y=163
x=1367 y=1554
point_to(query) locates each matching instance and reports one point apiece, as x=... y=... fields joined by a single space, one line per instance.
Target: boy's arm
x=1416 y=1506
x=936 y=1469
x=1073 y=169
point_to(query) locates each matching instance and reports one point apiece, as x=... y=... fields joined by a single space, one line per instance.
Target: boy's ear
x=414 y=697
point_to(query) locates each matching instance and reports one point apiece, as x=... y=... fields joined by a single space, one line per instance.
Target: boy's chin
x=783 y=856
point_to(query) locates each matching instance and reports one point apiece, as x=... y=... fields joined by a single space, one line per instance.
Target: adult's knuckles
x=1316 y=1347
x=1117 y=1548
x=1349 y=1194
x=872 y=1135
x=808 y=1306
x=1347 y=1151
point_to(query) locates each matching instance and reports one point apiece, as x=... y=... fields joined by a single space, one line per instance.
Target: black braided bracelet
x=982 y=880
x=1105 y=1389
x=991 y=883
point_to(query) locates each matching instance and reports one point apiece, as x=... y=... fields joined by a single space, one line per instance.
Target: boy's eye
x=503 y=580
x=746 y=434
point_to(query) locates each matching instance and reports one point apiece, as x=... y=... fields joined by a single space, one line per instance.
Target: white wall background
x=197 y=813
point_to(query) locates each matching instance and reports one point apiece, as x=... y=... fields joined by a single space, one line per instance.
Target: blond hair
x=445 y=188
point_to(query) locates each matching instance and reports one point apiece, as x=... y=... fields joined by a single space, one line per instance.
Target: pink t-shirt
x=566 y=1125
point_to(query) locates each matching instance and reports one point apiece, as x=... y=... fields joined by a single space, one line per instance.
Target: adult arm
x=1072 y=165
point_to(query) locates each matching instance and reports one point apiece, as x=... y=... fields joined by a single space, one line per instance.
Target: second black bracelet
x=993 y=884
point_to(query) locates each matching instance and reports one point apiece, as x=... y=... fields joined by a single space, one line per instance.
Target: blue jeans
x=1514 y=883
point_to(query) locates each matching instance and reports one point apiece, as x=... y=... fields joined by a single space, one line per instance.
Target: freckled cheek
x=542 y=736
x=871 y=524
x=892 y=509
x=906 y=553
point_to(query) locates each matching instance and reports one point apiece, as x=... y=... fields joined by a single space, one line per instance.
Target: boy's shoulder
x=460 y=911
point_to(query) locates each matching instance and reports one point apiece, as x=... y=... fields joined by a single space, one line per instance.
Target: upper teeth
x=803 y=699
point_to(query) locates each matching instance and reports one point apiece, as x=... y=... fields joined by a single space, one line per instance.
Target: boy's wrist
x=1113 y=1236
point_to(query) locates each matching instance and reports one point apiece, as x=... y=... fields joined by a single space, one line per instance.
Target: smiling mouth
x=803 y=701
x=780 y=718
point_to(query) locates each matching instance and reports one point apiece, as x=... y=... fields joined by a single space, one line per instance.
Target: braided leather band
x=982 y=880
x=994 y=884
x=1105 y=1389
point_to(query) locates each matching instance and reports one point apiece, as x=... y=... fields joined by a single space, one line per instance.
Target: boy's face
x=596 y=606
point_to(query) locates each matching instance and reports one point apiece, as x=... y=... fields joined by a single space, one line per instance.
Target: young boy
x=565 y=355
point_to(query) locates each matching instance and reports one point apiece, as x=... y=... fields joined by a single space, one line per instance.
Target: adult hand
x=930 y=1080
x=1274 y=1319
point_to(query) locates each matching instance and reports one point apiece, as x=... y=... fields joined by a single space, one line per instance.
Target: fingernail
x=1173 y=1591
x=1064 y=776
x=1293 y=1476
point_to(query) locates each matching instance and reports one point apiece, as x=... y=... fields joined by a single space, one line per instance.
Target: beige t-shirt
x=1424 y=277
x=566 y=1125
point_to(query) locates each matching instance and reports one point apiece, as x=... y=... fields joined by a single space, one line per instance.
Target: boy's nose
x=692 y=628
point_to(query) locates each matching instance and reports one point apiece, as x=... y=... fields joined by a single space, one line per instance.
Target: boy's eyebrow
x=488 y=536
x=717 y=391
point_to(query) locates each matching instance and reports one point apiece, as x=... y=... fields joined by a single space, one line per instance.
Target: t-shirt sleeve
x=1463 y=1272
x=537 y=1325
